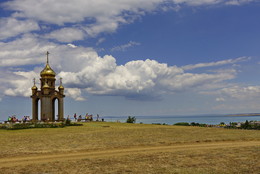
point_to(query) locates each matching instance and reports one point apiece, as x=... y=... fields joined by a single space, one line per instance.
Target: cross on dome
x=47 y=71
x=47 y=54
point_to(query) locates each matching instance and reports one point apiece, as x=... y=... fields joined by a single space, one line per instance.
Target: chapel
x=47 y=95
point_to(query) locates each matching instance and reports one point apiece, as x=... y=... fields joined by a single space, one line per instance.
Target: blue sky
x=133 y=57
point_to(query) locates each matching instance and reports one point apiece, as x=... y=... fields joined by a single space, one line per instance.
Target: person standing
x=75 y=117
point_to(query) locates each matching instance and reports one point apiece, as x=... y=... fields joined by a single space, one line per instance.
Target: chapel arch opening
x=55 y=109
x=38 y=108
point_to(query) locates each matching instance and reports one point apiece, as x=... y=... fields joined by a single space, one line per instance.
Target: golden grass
x=99 y=136
x=211 y=161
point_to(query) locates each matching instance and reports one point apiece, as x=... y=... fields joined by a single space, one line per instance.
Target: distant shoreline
x=246 y=115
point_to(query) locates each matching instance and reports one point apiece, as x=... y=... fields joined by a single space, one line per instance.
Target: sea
x=170 y=120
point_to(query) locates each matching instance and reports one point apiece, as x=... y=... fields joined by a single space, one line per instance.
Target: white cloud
x=67 y=11
x=220 y=99
x=101 y=40
x=5 y=76
x=125 y=46
x=95 y=17
x=74 y=93
x=10 y=27
x=197 y=2
x=104 y=25
x=212 y=2
x=101 y=76
x=72 y=45
x=66 y=35
x=26 y=50
x=100 y=16
x=218 y=63
x=83 y=69
x=241 y=93
x=236 y=93
x=238 y=2
x=20 y=86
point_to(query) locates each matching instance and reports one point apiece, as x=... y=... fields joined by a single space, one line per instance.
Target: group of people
x=87 y=117
x=14 y=119
x=26 y=118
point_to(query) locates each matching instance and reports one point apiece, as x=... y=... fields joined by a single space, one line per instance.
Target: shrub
x=182 y=124
x=194 y=124
x=131 y=119
x=35 y=125
x=67 y=121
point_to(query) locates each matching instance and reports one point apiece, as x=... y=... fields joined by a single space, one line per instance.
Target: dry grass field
x=129 y=148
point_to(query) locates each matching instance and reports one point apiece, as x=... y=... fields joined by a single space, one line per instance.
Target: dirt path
x=46 y=158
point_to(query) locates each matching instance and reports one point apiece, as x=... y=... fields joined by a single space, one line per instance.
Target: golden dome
x=47 y=71
x=46 y=85
x=34 y=87
x=61 y=87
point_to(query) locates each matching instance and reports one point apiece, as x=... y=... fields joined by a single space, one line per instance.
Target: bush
x=194 y=124
x=30 y=125
x=131 y=119
x=182 y=124
x=67 y=122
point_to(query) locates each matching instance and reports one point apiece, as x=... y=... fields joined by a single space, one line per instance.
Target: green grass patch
x=30 y=125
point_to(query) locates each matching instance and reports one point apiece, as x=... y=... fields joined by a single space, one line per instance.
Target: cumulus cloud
x=125 y=46
x=20 y=86
x=10 y=27
x=5 y=77
x=74 y=93
x=84 y=71
x=146 y=79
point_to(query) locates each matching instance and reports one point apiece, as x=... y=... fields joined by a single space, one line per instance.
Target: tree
x=246 y=125
x=131 y=119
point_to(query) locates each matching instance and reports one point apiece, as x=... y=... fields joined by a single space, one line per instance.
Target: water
x=170 y=120
x=207 y=119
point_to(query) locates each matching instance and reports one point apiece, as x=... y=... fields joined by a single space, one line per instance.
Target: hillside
x=129 y=148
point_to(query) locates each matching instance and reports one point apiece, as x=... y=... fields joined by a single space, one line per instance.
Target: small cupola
x=46 y=86
x=34 y=88
x=61 y=88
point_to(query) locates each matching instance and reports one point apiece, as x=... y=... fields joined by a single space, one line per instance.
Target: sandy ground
x=23 y=160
